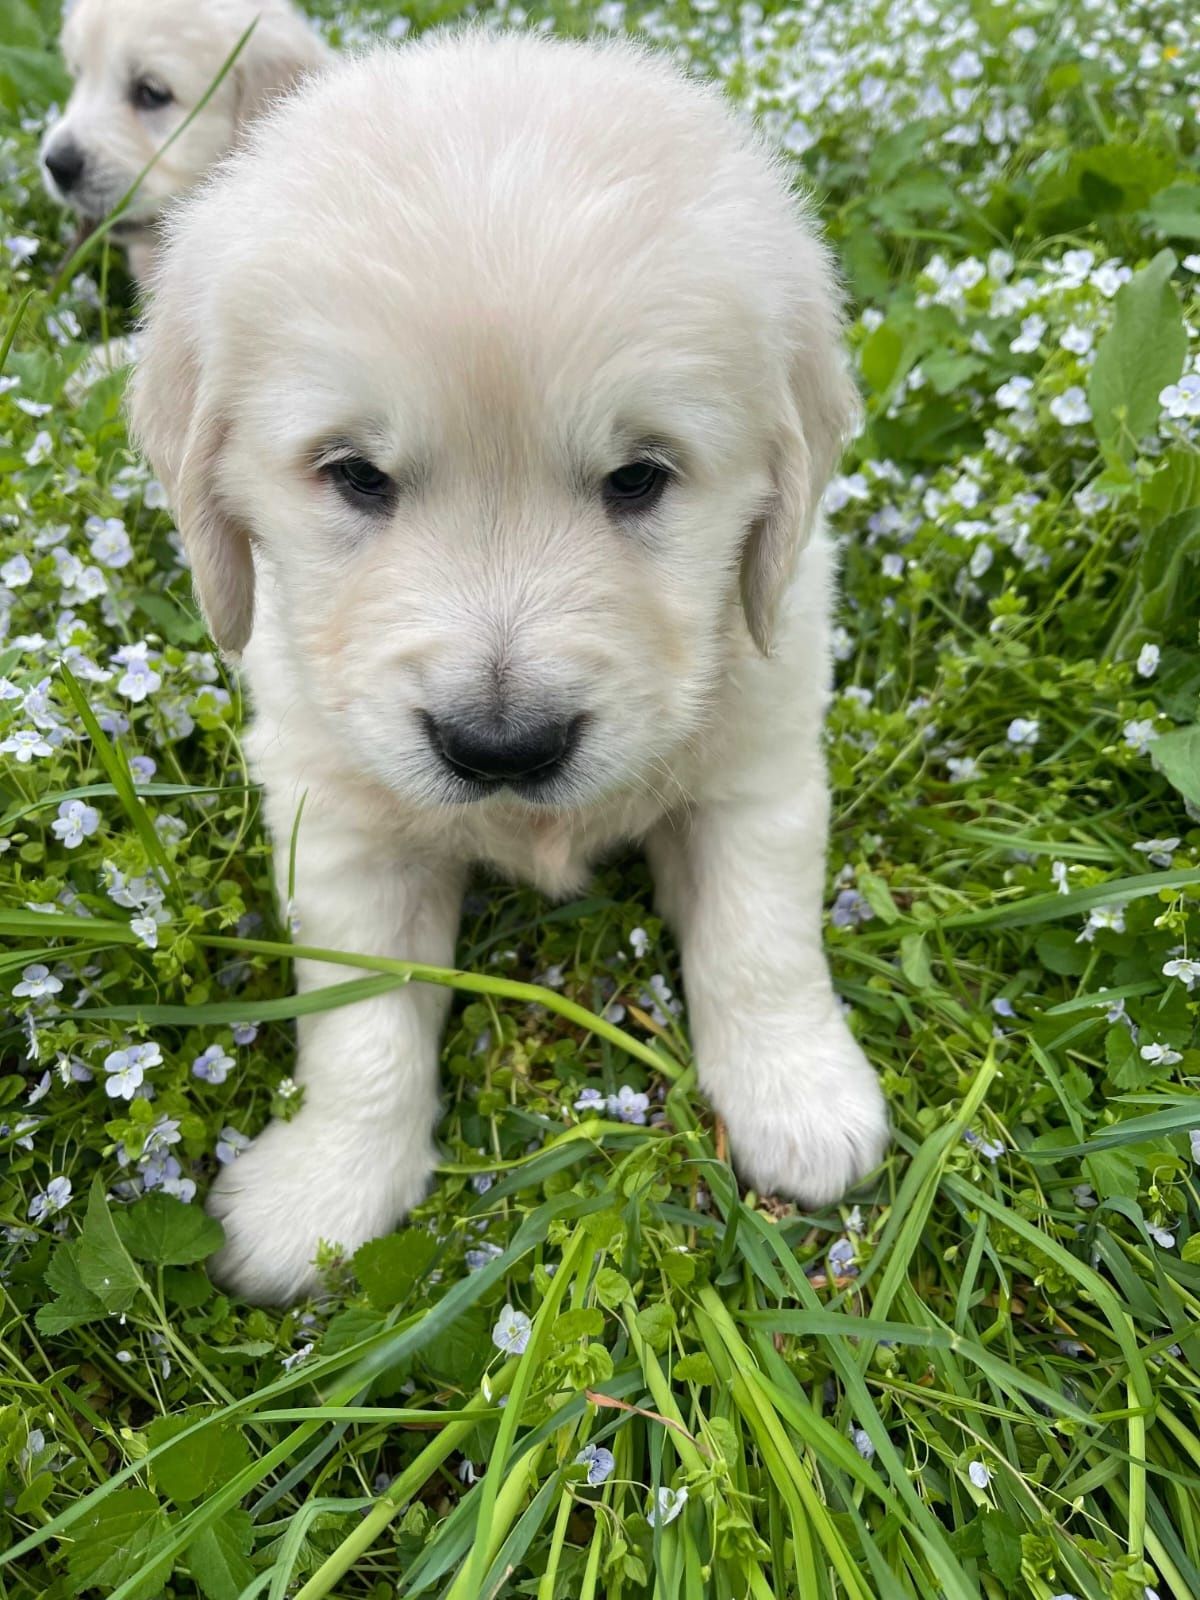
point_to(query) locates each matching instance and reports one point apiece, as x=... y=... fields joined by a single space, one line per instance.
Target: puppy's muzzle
x=523 y=755
x=64 y=162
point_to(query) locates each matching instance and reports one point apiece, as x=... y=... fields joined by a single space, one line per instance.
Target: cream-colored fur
x=499 y=269
x=179 y=47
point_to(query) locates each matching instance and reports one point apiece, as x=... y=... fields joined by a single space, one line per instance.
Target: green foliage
x=974 y=1378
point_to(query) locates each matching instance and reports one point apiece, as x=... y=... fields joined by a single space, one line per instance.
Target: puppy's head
x=516 y=372
x=140 y=68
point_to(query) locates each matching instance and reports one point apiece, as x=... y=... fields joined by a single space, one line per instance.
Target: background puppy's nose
x=64 y=163
x=527 y=752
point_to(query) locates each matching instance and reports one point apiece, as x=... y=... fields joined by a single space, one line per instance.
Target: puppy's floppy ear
x=282 y=48
x=181 y=431
x=818 y=410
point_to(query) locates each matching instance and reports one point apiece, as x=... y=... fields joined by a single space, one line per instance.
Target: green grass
x=976 y=1378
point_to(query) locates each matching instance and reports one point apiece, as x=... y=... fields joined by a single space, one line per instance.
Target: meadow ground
x=978 y=1377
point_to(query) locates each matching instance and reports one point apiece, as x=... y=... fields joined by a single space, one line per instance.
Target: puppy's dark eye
x=635 y=487
x=150 y=95
x=362 y=483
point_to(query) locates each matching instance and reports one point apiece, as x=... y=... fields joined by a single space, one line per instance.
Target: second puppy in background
x=140 y=69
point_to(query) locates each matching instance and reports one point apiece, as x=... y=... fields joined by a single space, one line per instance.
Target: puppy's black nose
x=64 y=163
x=519 y=752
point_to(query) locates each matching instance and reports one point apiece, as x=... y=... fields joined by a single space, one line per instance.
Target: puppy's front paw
x=299 y=1184
x=809 y=1127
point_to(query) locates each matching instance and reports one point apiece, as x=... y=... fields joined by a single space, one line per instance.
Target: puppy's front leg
x=743 y=882
x=360 y=1151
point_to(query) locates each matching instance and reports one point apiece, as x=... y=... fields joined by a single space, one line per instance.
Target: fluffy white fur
x=112 y=46
x=500 y=268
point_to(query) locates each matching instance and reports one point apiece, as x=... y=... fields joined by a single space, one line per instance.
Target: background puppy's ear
x=818 y=411
x=181 y=433
x=282 y=48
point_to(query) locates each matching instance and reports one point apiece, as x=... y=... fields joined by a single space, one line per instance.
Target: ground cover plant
x=588 y=1366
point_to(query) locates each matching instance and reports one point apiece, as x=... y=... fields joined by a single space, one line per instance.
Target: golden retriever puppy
x=496 y=384
x=140 y=68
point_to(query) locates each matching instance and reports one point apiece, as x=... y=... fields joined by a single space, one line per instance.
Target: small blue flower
x=75 y=823
x=212 y=1065
x=667 y=1506
x=627 y=1105
x=511 y=1333
x=979 y=1474
x=230 y=1145
x=861 y=1441
x=841 y=1258
x=599 y=1462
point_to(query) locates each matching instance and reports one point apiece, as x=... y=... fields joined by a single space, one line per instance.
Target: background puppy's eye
x=362 y=483
x=150 y=95
x=635 y=487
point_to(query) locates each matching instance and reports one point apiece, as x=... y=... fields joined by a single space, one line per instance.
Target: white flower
x=296 y=1357
x=1030 y=336
x=1090 y=500
x=591 y=1100
x=981 y=560
x=21 y=246
x=24 y=745
x=244 y=1032
x=1180 y=399
x=212 y=1065
x=1075 y=266
x=109 y=542
x=861 y=1440
x=598 y=1461
x=146 y=929
x=1058 y=876
x=39 y=449
x=139 y=678
x=37 y=707
x=16 y=572
x=1162 y=1055
x=1184 y=968
x=1161 y=1237
x=627 y=1105
x=1147 y=661
x=1077 y=340
x=1194 y=1140
x=1191 y=263
x=1014 y=395
x=892 y=566
x=639 y=942
x=999 y=262
x=1109 y=278
x=75 y=823
x=38 y=983
x=1160 y=852
x=1138 y=735
x=962 y=768
x=56 y=1195
x=511 y=1333
x=667 y=1506
x=1071 y=407
x=1023 y=731
x=230 y=1145
x=979 y=1474
x=1109 y=919
x=125 y=1074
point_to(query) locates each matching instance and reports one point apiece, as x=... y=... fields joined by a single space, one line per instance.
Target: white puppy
x=496 y=384
x=140 y=68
